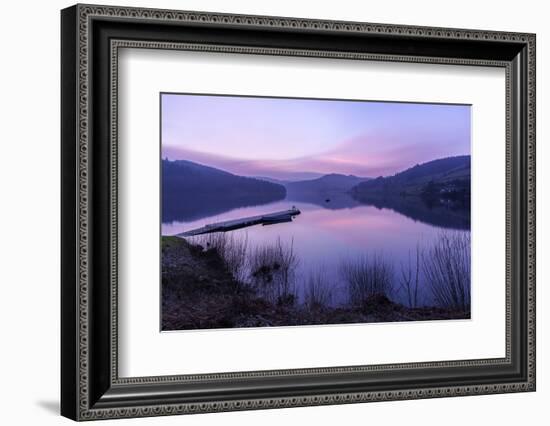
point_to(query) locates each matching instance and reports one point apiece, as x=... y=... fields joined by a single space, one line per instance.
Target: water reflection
x=178 y=207
x=202 y=206
x=433 y=212
x=329 y=232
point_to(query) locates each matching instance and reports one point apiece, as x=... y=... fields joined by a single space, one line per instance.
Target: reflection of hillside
x=199 y=206
x=433 y=213
x=327 y=200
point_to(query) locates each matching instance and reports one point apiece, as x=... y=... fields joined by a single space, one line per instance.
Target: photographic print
x=292 y=211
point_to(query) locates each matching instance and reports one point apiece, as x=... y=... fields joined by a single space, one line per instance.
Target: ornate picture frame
x=91 y=38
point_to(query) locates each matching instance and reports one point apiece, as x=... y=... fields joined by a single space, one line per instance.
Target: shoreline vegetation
x=218 y=281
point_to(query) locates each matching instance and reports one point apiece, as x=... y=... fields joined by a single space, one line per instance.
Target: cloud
x=366 y=156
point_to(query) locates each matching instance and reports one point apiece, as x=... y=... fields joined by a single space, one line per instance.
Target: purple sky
x=301 y=138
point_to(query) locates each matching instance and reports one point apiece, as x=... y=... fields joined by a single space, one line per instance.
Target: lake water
x=324 y=235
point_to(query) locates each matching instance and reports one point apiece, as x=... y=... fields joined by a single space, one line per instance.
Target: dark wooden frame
x=90 y=386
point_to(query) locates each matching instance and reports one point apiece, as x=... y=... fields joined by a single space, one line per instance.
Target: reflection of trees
x=176 y=207
x=436 y=212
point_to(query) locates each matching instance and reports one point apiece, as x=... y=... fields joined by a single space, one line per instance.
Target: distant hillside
x=331 y=201
x=272 y=180
x=325 y=184
x=443 y=178
x=191 y=191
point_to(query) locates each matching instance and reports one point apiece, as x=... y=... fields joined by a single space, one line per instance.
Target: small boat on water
x=230 y=225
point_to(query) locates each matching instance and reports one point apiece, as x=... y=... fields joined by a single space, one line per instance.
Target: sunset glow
x=299 y=138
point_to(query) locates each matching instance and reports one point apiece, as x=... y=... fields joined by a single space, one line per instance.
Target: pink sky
x=299 y=138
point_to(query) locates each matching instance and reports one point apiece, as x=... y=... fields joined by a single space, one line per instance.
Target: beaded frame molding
x=91 y=38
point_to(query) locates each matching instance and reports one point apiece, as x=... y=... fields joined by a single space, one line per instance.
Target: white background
x=146 y=352
x=29 y=229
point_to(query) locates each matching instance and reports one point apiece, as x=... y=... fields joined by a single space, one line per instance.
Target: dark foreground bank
x=198 y=292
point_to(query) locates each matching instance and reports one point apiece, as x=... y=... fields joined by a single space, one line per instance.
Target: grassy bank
x=207 y=285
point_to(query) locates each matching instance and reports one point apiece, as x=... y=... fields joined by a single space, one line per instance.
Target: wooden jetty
x=230 y=225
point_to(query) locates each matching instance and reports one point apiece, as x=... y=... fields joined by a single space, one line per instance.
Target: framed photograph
x=263 y=212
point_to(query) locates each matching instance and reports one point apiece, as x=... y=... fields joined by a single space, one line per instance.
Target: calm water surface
x=322 y=237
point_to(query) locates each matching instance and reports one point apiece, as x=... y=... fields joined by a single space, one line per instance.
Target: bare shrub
x=232 y=248
x=446 y=266
x=317 y=293
x=410 y=278
x=273 y=271
x=367 y=276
